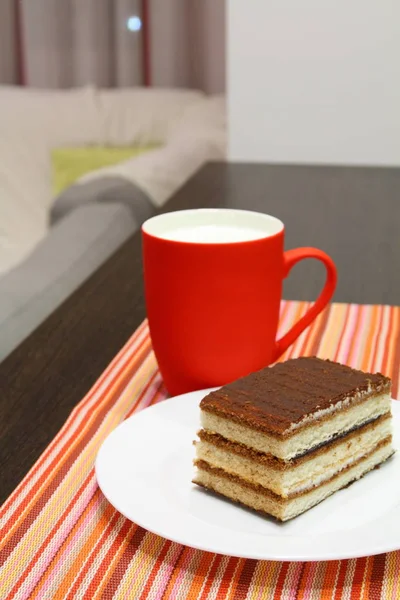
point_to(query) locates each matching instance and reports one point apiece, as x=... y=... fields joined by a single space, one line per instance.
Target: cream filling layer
x=287 y=509
x=307 y=474
x=347 y=401
x=305 y=439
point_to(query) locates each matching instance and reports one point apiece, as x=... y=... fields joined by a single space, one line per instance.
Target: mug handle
x=290 y=258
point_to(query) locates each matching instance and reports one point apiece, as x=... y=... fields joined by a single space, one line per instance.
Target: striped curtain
x=69 y=43
x=187 y=43
x=113 y=43
x=9 y=63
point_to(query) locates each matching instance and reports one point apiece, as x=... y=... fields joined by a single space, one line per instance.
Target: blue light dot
x=134 y=23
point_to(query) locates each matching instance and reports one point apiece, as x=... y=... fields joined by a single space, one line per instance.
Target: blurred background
x=107 y=107
x=113 y=43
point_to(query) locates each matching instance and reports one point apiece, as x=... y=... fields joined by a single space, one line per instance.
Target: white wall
x=314 y=81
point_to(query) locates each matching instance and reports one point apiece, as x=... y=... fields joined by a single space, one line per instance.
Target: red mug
x=213 y=287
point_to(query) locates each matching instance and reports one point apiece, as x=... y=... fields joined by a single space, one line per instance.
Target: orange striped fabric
x=61 y=539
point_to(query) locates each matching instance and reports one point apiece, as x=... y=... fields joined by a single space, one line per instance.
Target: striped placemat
x=60 y=538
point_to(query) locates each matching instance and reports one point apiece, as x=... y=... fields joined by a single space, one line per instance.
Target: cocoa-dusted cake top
x=275 y=398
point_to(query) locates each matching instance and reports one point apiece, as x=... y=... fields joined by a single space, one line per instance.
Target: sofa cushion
x=69 y=164
x=35 y=122
x=74 y=248
x=105 y=190
x=198 y=136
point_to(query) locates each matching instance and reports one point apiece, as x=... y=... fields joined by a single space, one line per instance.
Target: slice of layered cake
x=283 y=439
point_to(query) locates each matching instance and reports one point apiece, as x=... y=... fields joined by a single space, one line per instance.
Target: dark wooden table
x=352 y=213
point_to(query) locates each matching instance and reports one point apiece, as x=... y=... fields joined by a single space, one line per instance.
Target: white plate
x=145 y=468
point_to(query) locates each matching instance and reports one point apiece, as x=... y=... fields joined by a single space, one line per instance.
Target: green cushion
x=69 y=164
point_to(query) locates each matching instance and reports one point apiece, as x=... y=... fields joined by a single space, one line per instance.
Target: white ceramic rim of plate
x=359 y=541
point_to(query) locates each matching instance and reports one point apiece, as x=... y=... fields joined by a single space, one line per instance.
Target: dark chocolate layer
x=276 y=397
x=279 y=464
x=205 y=466
x=263 y=513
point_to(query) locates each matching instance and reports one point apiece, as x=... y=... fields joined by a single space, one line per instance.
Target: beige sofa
x=48 y=245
